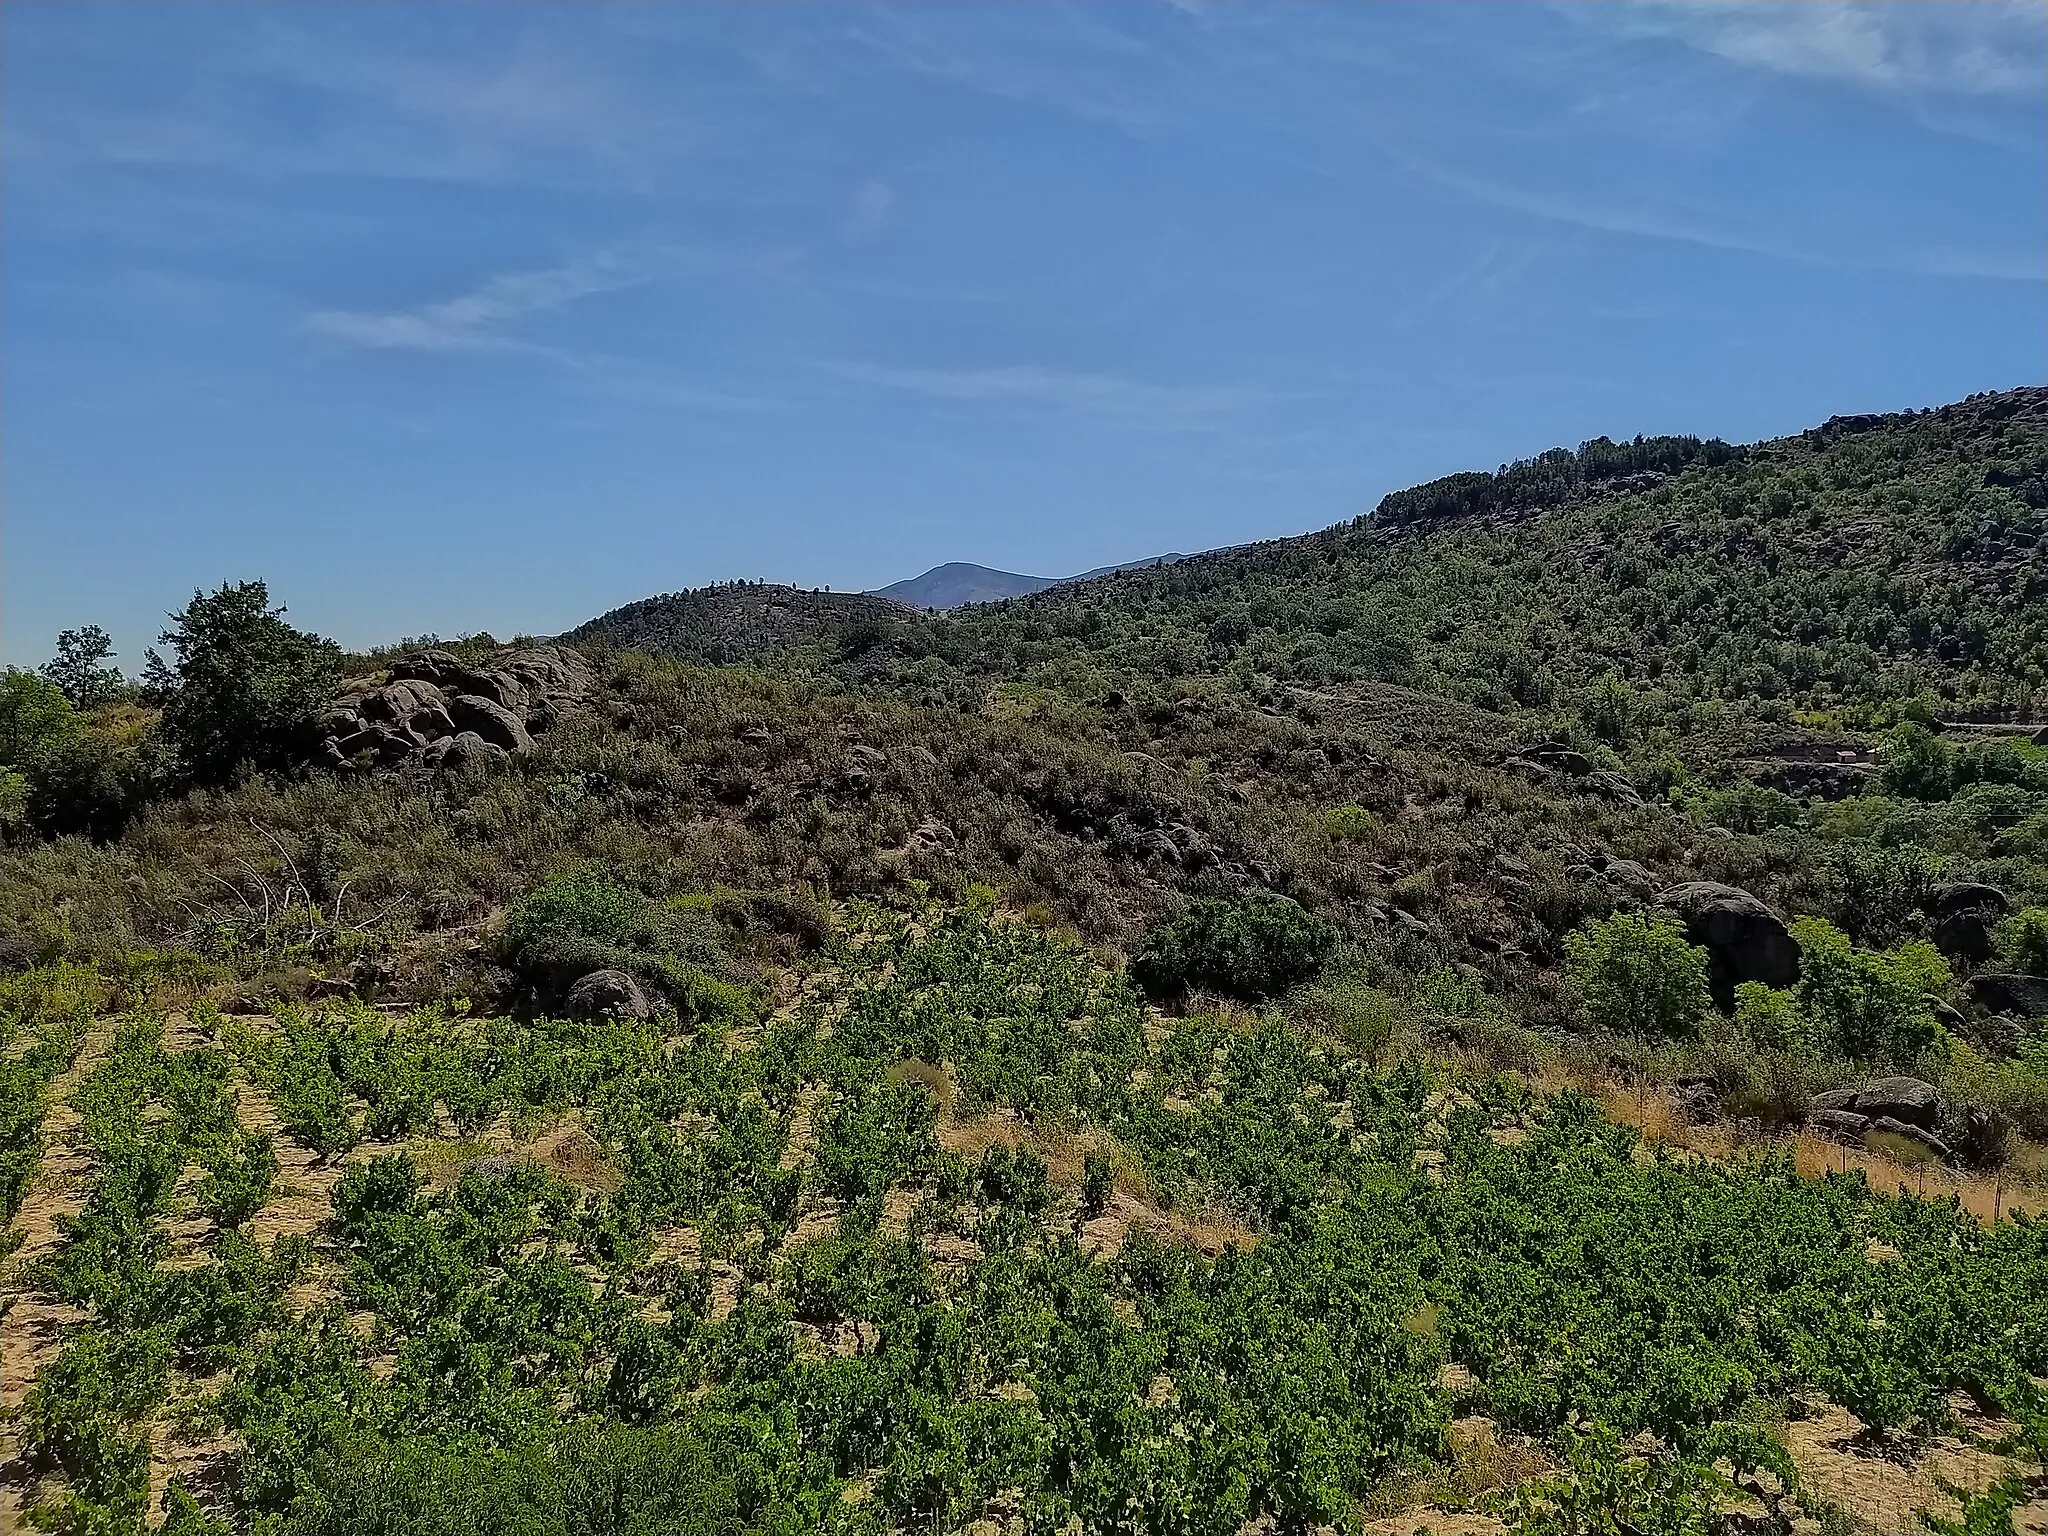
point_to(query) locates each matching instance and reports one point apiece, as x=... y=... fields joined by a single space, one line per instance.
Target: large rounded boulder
x=1744 y=939
x=609 y=994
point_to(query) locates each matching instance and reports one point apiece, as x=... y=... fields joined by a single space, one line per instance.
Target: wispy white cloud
x=873 y=203
x=478 y=320
x=1102 y=396
x=1068 y=59
x=1980 y=48
x=1619 y=211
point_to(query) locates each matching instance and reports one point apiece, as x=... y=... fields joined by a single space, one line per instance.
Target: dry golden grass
x=1888 y=1493
x=1652 y=1114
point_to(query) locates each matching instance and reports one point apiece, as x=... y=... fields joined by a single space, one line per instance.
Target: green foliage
x=1772 y=1018
x=1918 y=764
x=1867 y=1005
x=245 y=685
x=35 y=717
x=1985 y=1512
x=583 y=904
x=1253 y=947
x=1350 y=822
x=2022 y=941
x=79 y=668
x=1609 y=1492
x=583 y=921
x=1097 y=1180
x=603 y=1480
x=1637 y=974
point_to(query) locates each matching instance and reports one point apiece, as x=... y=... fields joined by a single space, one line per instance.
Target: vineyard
x=1489 y=1018
x=951 y=1228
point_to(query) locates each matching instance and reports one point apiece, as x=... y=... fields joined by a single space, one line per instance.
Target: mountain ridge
x=957 y=583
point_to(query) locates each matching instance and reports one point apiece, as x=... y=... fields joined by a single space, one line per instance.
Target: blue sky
x=453 y=317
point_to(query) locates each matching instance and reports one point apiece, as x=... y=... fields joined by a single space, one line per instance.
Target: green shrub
x=35 y=717
x=1610 y=1489
x=1917 y=764
x=1348 y=823
x=598 y=1480
x=1637 y=974
x=1251 y=947
x=2023 y=941
x=583 y=921
x=583 y=904
x=246 y=685
x=1770 y=1017
x=1867 y=1004
x=1096 y=1182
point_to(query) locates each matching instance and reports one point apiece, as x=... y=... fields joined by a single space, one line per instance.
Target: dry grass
x=1653 y=1115
x=1481 y=1461
x=1888 y=1492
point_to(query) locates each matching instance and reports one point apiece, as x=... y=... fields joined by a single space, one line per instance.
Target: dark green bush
x=595 y=1480
x=1637 y=974
x=246 y=685
x=1251 y=947
x=2023 y=941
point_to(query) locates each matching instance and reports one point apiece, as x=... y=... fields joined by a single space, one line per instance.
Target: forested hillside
x=1525 y=1011
x=1868 y=561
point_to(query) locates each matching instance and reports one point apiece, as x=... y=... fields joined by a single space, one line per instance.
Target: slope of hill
x=1870 y=560
x=1189 y=1050
x=957 y=583
x=735 y=621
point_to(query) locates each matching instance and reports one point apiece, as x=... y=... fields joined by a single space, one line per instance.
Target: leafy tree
x=1770 y=1017
x=245 y=685
x=1918 y=764
x=1253 y=947
x=2023 y=941
x=79 y=667
x=35 y=717
x=1867 y=1004
x=1638 y=974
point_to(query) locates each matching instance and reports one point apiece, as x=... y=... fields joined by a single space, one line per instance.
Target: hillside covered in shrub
x=1529 y=1008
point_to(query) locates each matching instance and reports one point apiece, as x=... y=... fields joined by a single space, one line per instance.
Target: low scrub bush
x=1637 y=974
x=2023 y=941
x=1251 y=948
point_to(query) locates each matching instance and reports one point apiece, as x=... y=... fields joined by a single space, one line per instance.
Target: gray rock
x=465 y=749
x=862 y=764
x=490 y=720
x=1964 y=935
x=1834 y=1098
x=933 y=837
x=1559 y=758
x=1614 y=787
x=1919 y=1135
x=1844 y=1123
x=609 y=994
x=1968 y=896
x=2025 y=997
x=1627 y=872
x=1744 y=939
x=432 y=697
x=1902 y=1098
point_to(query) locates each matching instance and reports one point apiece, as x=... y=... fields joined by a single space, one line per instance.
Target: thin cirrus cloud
x=1986 y=48
x=479 y=321
x=1105 y=397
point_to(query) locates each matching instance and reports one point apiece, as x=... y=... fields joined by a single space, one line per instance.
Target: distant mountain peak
x=959 y=582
